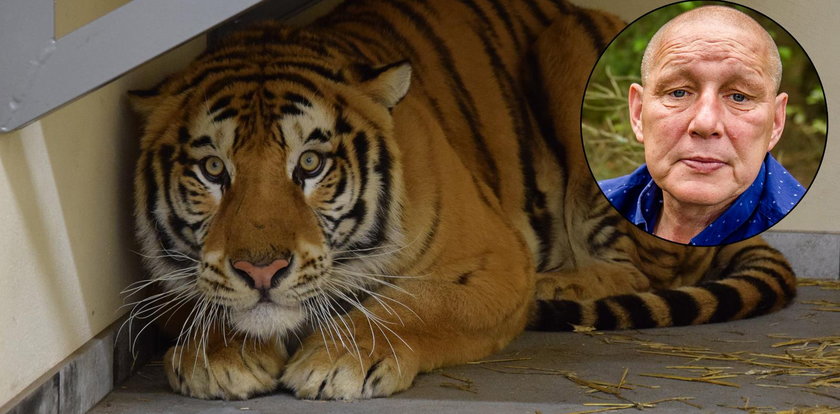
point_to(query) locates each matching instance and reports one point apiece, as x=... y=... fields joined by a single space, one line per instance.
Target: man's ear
x=386 y=84
x=634 y=103
x=778 y=120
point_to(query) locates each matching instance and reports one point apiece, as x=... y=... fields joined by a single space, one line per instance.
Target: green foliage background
x=611 y=147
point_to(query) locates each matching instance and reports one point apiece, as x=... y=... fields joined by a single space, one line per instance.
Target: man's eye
x=737 y=97
x=679 y=93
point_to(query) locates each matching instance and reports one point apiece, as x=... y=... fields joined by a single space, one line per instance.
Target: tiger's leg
x=426 y=323
x=230 y=368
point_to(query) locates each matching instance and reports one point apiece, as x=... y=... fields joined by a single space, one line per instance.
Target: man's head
x=708 y=111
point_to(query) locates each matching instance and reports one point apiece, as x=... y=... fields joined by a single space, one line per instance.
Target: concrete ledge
x=812 y=255
x=86 y=376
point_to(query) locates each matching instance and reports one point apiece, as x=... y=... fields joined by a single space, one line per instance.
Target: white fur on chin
x=266 y=320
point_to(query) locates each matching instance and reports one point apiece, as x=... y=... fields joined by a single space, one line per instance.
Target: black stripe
x=762 y=254
x=463 y=97
x=341 y=186
x=297 y=99
x=324 y=71
x=503 y=14
x=202 y=141
x=556 y=315
x=152 y=189
x=380 y=51
x=183 y=135
x=529 y=34
x=479 y=188
x=382 y=168
x=317 y=135
x=478 y=12
x=606 y=319
x=682 y=306
x=345 y=43
x=370 y=372
x=290 y=110
x=736 y=261
x=211 y=70
x=537 y=12
x=221 y=103
x=608 y=223
x=768 y=296
x=152 y=197
x=640 y=316
x=167 y=157
x=729 y=301
x=361 y=149
x=228 y=113
x=537 y=99
x=359 y=210
x=385 y=30
x=591 y=29
x=534 y=203
x=780 y=280
x=260 y=79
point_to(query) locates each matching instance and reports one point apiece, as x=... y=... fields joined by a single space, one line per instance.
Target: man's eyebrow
x=670 y=75
x=751 y=82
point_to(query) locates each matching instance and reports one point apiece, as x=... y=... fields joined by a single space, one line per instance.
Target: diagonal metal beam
x=39 y=73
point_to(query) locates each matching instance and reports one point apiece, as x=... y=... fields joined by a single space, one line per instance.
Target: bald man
x=707 y=113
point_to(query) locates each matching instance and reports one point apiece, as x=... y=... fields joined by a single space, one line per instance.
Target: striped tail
x=755 y=280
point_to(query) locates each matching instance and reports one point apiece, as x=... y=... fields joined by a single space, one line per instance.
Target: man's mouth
x=703 y=165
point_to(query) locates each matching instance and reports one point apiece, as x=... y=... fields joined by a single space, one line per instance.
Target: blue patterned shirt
x=770 y=197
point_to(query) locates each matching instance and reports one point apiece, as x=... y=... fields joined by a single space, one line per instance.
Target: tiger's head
x=265 y=174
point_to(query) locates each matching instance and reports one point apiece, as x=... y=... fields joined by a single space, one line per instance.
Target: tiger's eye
x=310 y=163
x=213 y=168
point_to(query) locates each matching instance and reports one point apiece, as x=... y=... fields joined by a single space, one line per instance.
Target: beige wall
x=65 y=244
x=810 y=22
x=65 y=237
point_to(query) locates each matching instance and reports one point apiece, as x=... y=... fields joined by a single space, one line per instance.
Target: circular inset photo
x=704 y=123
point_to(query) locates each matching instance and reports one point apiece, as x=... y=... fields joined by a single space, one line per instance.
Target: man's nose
x=707 y=117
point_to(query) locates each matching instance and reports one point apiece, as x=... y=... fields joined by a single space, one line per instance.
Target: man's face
x=708 y=113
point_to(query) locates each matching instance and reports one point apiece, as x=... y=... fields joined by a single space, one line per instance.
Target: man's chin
x=701 y=191
x=265 y=320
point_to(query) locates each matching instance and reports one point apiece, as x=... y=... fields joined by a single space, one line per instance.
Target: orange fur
x=450 y=193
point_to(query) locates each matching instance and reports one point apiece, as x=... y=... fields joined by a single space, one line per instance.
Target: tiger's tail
x=754 y=280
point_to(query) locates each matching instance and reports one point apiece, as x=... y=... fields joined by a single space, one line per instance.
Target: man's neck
x=680 y=222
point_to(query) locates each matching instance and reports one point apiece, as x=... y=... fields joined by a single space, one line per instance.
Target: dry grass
x=821 y=283
x=797 y=364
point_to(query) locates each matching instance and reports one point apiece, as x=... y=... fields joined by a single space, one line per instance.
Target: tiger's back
x=502 y=94
x=421 y=163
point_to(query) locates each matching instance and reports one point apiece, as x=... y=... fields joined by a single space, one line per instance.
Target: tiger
x=397 y=187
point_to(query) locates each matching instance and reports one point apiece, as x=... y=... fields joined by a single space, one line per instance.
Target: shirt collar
x=649 y=206
x=735 y=216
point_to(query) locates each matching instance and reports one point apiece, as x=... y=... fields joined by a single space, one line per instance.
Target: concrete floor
x=549 y=373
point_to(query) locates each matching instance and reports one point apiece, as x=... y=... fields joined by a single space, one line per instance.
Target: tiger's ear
x=386 y=84
x=144 y=101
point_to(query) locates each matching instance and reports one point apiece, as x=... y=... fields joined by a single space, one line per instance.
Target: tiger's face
x=256 y=196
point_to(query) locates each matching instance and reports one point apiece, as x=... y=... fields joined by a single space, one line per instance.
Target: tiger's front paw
x=316 y=373
x=230 y=371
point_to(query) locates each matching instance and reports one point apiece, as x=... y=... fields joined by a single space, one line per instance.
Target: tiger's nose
x=261 y=277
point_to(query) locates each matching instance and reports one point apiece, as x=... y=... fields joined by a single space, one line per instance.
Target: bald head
x=714 y=20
